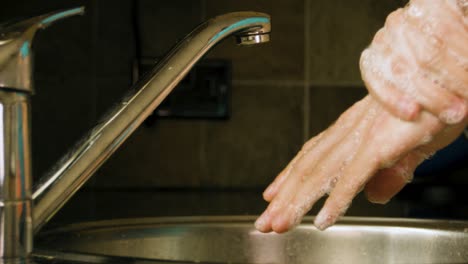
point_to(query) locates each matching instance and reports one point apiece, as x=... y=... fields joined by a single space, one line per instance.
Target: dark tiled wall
x=265 y=130
x=283 y=92
x=337 y=31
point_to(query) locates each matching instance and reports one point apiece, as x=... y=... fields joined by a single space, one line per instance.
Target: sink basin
x=234 y=240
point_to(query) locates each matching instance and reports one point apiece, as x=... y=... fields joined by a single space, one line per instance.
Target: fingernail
x=376 y=199
x=323 y=220
x=454 y=114
x=261 y=223
x=268 y=192
x=373 y=196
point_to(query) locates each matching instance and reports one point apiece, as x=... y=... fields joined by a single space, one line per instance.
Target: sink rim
x=42 y=253
x=436 y=224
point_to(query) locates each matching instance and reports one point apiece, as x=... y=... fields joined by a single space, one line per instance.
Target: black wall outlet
x=204 y=93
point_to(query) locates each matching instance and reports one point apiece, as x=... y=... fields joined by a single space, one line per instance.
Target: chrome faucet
x=23 y=209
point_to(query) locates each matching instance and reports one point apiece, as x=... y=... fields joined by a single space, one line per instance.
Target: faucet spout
x=75 y=168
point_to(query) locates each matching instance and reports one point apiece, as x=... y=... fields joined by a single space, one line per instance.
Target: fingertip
x=263 y=223
x=261 y=226
x=269 y=193
x=407 y=109
x=454 y=114
x=324 y=220
x=281 y=224
x=335 y=206
x=373 y=190
x=285 y=220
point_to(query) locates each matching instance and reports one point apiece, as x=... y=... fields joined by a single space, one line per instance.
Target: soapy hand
x=416 y=69
x=367 y=148
x=419 y=61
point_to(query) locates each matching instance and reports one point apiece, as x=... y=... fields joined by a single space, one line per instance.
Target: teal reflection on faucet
x=58 y=16
x=240 y=24
x=24 y=50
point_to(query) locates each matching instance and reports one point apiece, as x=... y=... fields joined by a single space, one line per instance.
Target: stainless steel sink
x=234 y=240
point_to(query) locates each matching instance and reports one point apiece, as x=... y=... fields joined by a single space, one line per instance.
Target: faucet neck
x=15 y=175
x=16 y=226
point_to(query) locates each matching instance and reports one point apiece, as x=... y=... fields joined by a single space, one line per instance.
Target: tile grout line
x=297 y=83
x=203 y=154
x=274 y=83
x=306 y=102
x=203 y=126
x=95 y=21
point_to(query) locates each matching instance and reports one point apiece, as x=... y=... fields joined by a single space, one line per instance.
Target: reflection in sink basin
x=234 y=240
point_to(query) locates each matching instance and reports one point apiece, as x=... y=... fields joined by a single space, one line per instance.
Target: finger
x=318 y=147
x=324 y=176
x=438 y=39
x=382 y=62
x=369 y=159
x=271 y=191
x=444 y=137
x=439 y=101
x=395 y=100
x=263 y=223
x=391 y=146
x=323 y=179
x=345 y=122
x=401 y=39
x=344 y=192
x=377 y=70
x=273 y=188
x=451 y=73
x=439 y=19
x=305 y=167
x=388 y=182
x=452 y=82
x=293 y=181
x=312 y=187
x=293 y=213
x=421 y=86
x=438 y=81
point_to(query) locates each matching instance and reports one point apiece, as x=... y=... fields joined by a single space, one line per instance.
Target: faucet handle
x=15 y=48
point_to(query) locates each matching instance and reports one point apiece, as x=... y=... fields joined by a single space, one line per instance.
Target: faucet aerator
x=247 y=40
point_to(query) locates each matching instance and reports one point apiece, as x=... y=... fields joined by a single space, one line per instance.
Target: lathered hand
x=419 y=60
x=366 y=148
